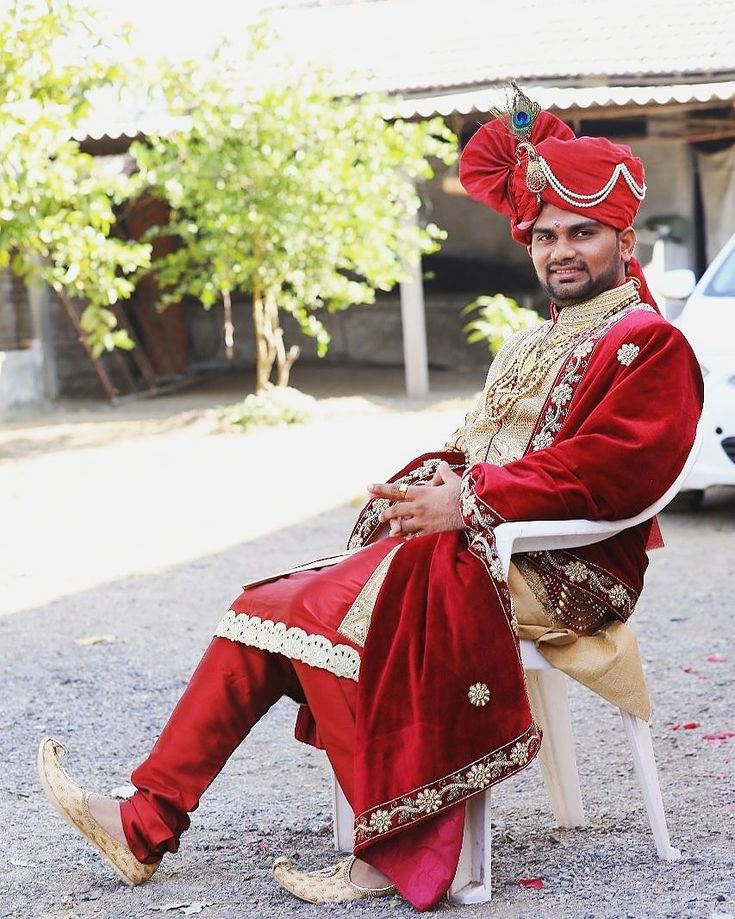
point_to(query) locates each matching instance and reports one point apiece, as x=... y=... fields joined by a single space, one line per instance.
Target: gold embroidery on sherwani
x=596 y=583
x=356 y=623
x=457 y=440
x=523 y=373
x=569 y=609
x=537 y=587
x=445 y=791
x=523 y=378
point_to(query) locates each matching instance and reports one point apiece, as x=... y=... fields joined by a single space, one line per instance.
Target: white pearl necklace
x=580 y=200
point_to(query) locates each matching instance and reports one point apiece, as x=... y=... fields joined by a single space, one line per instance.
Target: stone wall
x=15 y=317
x=370 y=334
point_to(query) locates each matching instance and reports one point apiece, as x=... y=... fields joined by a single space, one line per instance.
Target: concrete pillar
x=413 y=320
x=39 y=298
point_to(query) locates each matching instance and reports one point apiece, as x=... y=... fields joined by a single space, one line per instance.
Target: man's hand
x=422 y=509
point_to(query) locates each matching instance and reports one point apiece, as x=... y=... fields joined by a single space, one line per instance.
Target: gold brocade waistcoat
x=498 y=428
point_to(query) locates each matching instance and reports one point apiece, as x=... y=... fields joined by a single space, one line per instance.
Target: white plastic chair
x=548 y=695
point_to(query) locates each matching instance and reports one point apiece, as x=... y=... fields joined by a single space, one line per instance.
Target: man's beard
x=566 y=293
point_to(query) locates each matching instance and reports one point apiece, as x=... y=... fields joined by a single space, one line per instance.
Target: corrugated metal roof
x=412 y=45
x=446 y=57
x=478 y=100
x=564 y=98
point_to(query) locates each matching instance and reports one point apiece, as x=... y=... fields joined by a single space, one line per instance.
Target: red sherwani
x=406 y=650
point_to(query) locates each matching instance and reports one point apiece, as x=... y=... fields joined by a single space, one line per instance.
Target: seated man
x=403 y=651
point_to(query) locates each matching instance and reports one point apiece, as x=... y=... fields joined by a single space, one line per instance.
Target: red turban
x=517 y=171
x=586 y=175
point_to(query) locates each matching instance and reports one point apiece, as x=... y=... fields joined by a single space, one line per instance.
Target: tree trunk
x=229 y=328
x=263 y=357
x=284 y=360
x=270 y=349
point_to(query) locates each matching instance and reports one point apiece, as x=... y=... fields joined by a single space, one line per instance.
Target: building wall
x=369 y=334
x=475 y=232
x=670 y=192
x=21 y=378
x=74 y=373
x=15 y=317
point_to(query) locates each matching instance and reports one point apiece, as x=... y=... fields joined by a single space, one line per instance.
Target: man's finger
x=393 y=512
x=388 y=490
x=446 y=473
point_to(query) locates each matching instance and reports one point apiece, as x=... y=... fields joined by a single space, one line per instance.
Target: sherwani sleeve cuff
x=477 y=512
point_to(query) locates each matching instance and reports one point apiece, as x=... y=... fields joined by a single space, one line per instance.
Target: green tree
x=288 y=194
x=57 y=205
x=497 y=318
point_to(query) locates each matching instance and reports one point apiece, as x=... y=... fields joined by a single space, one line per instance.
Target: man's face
x=577 y=258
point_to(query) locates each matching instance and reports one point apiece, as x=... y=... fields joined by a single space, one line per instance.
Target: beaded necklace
x=531 y=362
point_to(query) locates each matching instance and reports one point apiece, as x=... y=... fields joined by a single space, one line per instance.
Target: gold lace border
x=294 y=643
x=437 y=796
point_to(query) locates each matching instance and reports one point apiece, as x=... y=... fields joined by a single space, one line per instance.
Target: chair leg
x=343 y=819
x=639 y=738
x=547 y=693
x=472 y=882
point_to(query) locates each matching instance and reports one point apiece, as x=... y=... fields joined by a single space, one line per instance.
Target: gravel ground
x=139 y=523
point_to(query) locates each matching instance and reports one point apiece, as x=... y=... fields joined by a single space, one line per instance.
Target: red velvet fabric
x=627 y=433
x=625 y=438
x=424 y=649
x=426 y=646
x=231 y=689
x=422 y=860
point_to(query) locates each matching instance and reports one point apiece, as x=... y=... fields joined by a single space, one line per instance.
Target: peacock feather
x=521 y=112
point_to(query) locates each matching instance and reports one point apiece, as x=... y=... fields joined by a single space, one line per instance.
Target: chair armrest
x=534 y=535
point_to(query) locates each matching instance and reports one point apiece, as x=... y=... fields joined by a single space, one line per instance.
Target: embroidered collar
x=578 y=314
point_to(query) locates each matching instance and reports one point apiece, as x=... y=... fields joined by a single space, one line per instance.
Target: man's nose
x=563 y=249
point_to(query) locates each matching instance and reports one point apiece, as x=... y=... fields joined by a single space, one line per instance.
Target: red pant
x=231 y=689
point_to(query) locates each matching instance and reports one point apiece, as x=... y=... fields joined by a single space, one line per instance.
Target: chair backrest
x=533 y=535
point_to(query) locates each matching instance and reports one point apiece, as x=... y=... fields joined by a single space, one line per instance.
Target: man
x=404 y=651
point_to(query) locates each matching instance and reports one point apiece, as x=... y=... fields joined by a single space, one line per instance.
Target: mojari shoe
x=72 y=802
x=330 y=885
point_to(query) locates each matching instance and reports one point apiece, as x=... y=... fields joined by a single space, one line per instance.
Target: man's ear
x=627 y=243
x=528 y=249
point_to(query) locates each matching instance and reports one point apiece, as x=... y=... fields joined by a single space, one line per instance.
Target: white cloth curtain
x=717 y=182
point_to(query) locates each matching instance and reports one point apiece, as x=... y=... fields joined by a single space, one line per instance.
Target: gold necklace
x=618 y=297
x=532 y=361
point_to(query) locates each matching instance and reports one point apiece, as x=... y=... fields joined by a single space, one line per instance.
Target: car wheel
x=687 y=501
